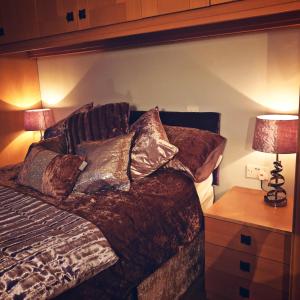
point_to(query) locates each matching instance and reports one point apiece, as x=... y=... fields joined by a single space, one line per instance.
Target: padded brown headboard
x=201 y=120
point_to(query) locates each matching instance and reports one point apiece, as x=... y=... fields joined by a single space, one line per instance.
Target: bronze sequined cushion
x=49 y=172
x=108 y=162
x=101 y=122
x=59 y=127
x=199 y=151
x=152 y=148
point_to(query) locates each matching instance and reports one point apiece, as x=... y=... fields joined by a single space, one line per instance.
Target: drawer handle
x=244 y=293
x=1 y=31
x=82 y=14
x=246 y=239
x=245 y=266
x=70 y=16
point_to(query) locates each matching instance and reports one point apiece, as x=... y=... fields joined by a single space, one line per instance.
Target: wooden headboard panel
x=201 y=120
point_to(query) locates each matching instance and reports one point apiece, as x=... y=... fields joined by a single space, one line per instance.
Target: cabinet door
x=198 y=3
x=106 y=12
x=57 y=16
x=213 y=2
x=169 y=6
x=18 y=20
x=160 y=7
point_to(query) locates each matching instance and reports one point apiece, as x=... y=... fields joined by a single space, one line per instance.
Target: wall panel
x=19 y=90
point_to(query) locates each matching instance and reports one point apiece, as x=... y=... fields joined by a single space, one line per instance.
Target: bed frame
x=173 y=279
x=201 y=120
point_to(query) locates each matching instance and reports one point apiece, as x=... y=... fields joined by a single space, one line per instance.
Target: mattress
x=205 y=191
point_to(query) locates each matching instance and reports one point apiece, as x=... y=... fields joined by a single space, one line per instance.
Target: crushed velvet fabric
x=50 y=172
x=56 y=144
x=151 y=149
x=199 y=151
x=174 y=277
x=59 y=127
x=145 y=227
x=108 y=162
x=44 y=250
x=101 y=122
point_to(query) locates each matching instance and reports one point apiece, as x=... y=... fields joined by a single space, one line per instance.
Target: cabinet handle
x=245 y=266
x=70 y=16
x=2 y=31
x=244 y=293
x=82 y=14
x=246 y=239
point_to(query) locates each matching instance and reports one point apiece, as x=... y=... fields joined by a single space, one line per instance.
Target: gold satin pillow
x=151 y=149
x=107 y=167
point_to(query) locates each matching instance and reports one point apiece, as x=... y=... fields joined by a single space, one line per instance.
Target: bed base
x=173 y=279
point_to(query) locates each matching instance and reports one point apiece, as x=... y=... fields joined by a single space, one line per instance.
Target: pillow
x=59 y=127
x=199 y=151
x=151 y=149
x=56 y=144
x=102 y=122
x=49 y=172
x=108 y=162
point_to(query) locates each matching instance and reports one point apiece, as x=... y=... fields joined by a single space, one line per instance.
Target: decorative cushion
x=108 y=162
x=49 y=172
x=102 y=122
x=59 y=127
x=151 y=149
x=56 y=144
x=199 y=151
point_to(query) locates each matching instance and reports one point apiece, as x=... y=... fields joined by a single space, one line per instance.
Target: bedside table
x=247 y=247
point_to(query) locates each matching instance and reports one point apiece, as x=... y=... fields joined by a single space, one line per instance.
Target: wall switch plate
x=257 y=172
x=192 y=108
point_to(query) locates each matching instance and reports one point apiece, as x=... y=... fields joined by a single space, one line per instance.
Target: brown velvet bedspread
x=145 y=226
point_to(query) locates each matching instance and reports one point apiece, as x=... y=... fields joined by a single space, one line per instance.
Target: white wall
x=240 y=76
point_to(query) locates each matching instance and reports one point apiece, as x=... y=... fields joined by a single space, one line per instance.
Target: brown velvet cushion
x=151 y=149
x=102 y=122
x=59 y=127
x=49 y=172
x=56 y=144
x=108 y=162
x=199 y=151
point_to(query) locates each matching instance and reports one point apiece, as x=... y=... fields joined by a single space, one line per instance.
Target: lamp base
x=277 y=195
x=275 y=202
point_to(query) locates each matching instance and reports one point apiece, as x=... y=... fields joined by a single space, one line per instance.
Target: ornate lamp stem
x=277 y=195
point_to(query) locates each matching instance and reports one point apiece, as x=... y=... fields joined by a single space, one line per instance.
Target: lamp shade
x=38 y=119
x=276 y=134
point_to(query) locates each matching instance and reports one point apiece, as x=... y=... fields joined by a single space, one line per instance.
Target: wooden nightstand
x=247 y=247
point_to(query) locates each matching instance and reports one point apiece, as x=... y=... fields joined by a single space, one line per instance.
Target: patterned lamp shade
x=38 y=119
x=276 y=134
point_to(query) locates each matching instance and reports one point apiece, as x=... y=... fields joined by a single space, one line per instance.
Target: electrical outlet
x=257 y=172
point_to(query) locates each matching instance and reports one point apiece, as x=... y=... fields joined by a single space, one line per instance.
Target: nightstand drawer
x=223 y=286
x=260 y=242
x=256 y=269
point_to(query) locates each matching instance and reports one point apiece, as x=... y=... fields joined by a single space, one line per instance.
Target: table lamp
x=276 y=134
x=38 y=119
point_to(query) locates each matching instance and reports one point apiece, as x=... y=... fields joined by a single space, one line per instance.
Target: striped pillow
x=59 y=127
x=102 y=122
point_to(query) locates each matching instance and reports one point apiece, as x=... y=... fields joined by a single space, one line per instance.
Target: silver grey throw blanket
x=44 y=250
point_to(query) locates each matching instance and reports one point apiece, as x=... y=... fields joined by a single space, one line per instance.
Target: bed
x=156 y=229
